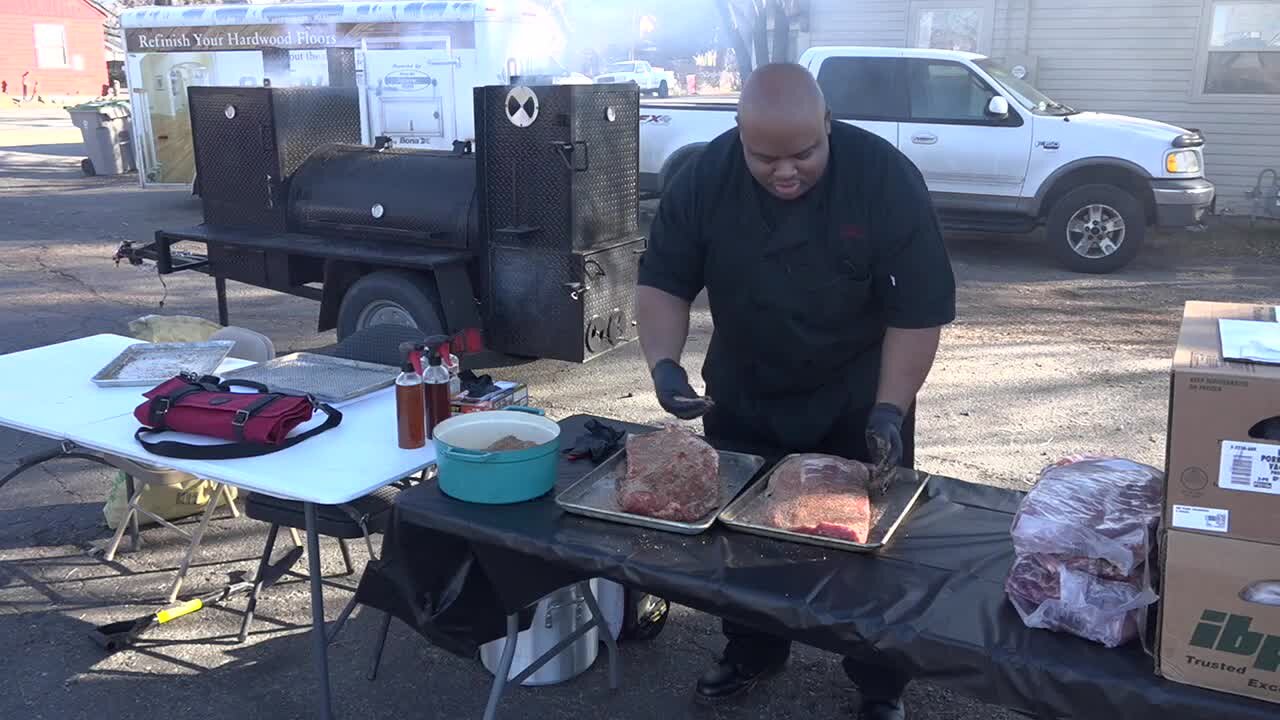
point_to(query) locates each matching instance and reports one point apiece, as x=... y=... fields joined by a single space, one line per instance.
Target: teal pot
x=469 y=471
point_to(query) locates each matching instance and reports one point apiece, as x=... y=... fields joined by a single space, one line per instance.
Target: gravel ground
x=1041 y=363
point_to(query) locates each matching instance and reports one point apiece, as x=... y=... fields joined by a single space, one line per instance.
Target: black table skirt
x=933 y=600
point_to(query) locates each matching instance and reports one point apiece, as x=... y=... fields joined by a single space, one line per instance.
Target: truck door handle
x=924 y=139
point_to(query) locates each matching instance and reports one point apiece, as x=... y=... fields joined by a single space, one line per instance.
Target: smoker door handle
x=568 y=152
x=576 y=289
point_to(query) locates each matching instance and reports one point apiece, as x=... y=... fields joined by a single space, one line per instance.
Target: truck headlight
x=1182 y=162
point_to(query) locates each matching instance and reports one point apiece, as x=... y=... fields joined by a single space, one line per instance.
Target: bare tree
x=747 y=22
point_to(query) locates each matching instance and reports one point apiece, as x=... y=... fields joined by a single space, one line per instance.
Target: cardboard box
x=506 y=395
x=1220 y=614
x=1223 y=479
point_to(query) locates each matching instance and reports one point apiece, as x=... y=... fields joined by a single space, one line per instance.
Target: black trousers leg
x=876 y=677
x=751 y=648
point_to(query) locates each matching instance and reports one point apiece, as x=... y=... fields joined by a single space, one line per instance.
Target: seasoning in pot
x=511 y=442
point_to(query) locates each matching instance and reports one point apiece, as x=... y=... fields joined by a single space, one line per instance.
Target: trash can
x=108 y=136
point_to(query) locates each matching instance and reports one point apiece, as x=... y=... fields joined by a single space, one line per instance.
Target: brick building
x=57 y=43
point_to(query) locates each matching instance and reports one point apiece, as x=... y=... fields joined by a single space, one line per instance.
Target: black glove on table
x=675 y=394
x=884 y=440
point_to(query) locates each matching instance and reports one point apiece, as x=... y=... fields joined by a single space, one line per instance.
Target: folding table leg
x=263 y=564
x=135 y=536
x=195 y=542
x=131 y=515
x=504 y=667
x=346 y=556
x=610 y=642
x=231 y=502
x=379 y=646
x=320 y=646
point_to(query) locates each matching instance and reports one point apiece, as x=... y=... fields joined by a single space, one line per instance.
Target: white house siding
x=1134 y=57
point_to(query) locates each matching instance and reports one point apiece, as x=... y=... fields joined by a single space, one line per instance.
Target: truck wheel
x=663 y=90
x=1096 y=228
x=391 y=297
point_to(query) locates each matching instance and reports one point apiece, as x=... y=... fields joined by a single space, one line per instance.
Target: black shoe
x=882 y=710
x=727 y=679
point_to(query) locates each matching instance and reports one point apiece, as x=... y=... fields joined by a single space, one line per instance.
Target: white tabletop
x=338 y=466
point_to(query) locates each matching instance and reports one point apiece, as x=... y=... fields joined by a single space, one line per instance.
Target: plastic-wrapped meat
x=817 y=495
x=671 y=474
x=1082 y=537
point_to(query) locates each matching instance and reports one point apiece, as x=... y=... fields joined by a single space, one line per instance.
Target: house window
x=1244 y=49
x=51 y=46
x=951 y=25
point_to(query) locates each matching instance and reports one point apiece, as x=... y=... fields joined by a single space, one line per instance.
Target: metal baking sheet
x=153 y=363
x=594 y=495
x=887 y=513
x=326 y=378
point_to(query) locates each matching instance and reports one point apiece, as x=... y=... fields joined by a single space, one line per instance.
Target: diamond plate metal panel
x=572 y=173
x=248 y=141
x=533 y=310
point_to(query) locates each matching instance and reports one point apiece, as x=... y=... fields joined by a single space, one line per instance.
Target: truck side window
x=863 y=88
x=944 y=91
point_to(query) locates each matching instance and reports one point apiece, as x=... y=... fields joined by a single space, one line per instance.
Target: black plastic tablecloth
x=933 y=600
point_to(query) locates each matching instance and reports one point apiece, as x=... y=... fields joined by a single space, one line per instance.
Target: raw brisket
x=818 y=495
x=1082 y=538
x=671 y=475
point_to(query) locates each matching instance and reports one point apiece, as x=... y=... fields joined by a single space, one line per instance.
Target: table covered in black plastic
x=933 y=600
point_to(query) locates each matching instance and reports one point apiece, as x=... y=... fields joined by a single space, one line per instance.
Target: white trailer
x=413 y=64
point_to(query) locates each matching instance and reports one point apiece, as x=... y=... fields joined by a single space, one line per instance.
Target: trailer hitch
x=126 y=251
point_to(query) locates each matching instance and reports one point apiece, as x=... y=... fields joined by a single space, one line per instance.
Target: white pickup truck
x=997 y=154
x=649 y=78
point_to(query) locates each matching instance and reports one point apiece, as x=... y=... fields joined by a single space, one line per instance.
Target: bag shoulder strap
x=237 y=450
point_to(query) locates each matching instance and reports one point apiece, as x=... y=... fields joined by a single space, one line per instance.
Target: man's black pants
x=876 y=677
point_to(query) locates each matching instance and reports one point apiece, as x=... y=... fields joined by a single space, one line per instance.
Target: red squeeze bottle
x=410 y=409
x=436 y=381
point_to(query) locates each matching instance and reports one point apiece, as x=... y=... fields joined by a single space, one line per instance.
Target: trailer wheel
x=391 y=297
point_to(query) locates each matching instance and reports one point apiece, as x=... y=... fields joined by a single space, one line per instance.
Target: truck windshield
x=622 y=67
x=1024 y=92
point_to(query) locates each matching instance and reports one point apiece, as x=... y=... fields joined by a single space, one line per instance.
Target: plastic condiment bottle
x=439 y=400
x=411 y=403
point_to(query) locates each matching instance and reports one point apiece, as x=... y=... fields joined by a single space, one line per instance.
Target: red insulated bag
x=255 y=423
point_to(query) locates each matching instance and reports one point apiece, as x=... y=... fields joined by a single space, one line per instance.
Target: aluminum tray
x=594 y=495
x=153 y=363
x=326 y=378
x=887 y=513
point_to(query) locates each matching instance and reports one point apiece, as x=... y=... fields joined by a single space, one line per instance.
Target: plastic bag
x=1083 y=538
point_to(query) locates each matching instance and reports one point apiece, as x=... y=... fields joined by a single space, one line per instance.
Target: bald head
x=781 y=92
x=783 y=123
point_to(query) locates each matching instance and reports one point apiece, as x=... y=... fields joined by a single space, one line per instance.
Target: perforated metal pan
x=149 y=364
x=326 y=378
x=595 y=494
x=888 y=510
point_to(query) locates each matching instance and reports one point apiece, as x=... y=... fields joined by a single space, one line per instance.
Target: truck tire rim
x=1095 y=231
x=384 y=312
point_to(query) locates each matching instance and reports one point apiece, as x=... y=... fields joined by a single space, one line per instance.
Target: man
x=828 y=284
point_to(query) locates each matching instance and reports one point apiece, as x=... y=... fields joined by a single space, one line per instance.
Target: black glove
x=598 y=442
x=884 y=440
x=675 y=394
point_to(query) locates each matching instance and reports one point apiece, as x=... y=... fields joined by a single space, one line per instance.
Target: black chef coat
x=801 y=291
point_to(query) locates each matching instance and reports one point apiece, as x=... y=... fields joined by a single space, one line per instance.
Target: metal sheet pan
x=594 y=496
x=326 y=378
x=887 y=513
x=150 y=364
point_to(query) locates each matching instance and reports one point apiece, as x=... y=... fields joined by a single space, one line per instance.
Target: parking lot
x=1041 y=363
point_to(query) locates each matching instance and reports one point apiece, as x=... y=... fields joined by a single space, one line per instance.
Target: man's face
x=786 y=155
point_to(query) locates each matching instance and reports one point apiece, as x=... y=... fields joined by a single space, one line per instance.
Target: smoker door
x=236 y=158
x=570 y=306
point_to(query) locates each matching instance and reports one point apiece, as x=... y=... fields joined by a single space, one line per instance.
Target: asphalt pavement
x=1041 y=363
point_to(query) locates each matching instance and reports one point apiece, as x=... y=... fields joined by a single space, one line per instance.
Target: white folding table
x=47 y=391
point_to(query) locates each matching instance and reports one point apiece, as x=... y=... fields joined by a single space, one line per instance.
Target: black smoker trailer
x=528 y=245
